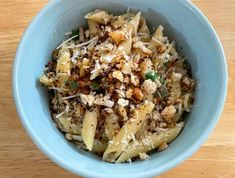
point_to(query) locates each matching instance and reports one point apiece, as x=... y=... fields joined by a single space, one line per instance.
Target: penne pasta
x=117 y=90
x=93 y=28
x=143 y=27
x=98 y=146
x=89 y=128
x=66 y=125
x=98 y=16
x=132 y=26
x=141 y=130
x=149 y=143
x=111 y=125
x=159 y=32
x=157 y=37
x=63 y=64
x=123 y=137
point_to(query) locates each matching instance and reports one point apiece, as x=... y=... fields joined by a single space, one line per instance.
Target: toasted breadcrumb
x=149 y=86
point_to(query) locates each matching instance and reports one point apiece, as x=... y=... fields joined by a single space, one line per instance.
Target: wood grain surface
x=19 y=157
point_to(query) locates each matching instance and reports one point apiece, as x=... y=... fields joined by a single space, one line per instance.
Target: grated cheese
x=66 y=41
x=84 y=44
x=69 y=97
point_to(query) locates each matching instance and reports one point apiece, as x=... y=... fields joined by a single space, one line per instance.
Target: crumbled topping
x=118 y=75
x=135 y=80
x=121 y=93
x=104 y=101
x=87 y=99
x=137 y=94
x=123 y=102
x=149 y=86
x=129 y=93
x=141 y=46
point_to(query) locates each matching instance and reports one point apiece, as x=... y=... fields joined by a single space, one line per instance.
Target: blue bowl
x=183 y=22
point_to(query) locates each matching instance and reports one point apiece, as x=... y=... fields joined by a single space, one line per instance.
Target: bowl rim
x=156 y=171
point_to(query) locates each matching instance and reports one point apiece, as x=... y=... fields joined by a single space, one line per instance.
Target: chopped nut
x=137 y=94
x=118 y=75
x=149 y=86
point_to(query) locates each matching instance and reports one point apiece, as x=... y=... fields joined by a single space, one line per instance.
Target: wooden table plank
x=19 y=157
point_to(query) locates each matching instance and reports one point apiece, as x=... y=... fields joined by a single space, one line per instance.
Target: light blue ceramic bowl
x=183 y=22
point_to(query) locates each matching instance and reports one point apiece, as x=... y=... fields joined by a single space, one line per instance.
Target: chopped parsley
x=73 y=85
x=74 y=33
x=95 y=85
x=151 y=75
x=163 y=94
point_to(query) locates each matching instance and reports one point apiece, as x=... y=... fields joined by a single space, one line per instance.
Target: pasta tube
x=149 y=143
x=89 y=128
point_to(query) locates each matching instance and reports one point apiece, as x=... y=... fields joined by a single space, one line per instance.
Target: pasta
x=123 y=137
x=149 y=143
x=117 y=90
x=89 y=127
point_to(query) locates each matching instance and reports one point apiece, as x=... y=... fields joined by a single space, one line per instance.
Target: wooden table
x=19 y=157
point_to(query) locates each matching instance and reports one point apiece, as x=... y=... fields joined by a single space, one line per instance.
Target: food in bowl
x=117 y=90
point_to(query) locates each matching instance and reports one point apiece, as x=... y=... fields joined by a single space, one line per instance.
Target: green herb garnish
x=151 y=75
x=73 y=85
x=95 y=85
x=163 y=94
x=75 y=32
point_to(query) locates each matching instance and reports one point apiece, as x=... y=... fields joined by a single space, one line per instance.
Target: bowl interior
x=183 y=23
